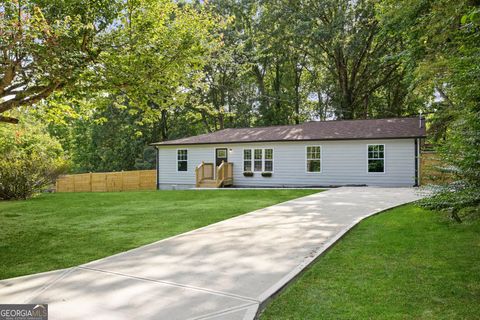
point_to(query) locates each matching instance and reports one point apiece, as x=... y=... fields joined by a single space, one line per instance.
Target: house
x=376 y=152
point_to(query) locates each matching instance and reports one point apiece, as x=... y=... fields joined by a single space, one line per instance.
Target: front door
x=221 y=154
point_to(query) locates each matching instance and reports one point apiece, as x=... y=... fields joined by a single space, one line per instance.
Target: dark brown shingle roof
x=393 y=128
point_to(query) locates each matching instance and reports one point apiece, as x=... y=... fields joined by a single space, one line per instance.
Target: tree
x=344 y=41
x=141 y=88
x=45 y=45
x=444 y=39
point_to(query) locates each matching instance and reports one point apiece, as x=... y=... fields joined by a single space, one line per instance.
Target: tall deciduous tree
x=45 y=45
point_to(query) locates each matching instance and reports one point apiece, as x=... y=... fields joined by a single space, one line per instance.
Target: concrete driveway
x=222 y=271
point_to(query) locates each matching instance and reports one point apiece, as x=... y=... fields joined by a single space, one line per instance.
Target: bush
x=30 y=160
x=248 y=174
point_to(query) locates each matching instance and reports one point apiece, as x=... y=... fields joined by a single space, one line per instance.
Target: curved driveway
x=222 y=271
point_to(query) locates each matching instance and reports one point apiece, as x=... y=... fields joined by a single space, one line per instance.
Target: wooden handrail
x=224 y=173
x=203 y=171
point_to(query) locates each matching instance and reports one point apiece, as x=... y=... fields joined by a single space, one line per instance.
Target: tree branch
x=8 y=120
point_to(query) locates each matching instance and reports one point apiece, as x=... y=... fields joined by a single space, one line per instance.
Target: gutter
x=161 y=144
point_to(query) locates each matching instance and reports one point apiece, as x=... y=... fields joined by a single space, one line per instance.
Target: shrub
x=461 y=152
x=248 y=174
x=30 y=160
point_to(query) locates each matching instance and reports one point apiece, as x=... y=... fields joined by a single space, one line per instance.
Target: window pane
x=247 y=154
x=313 y=152
x=221 y=153
x=258 y=154
x=268 y=165
x=182 y=165
x=313 y=165
x=182 y=154
x=247 y=166
x=376 y=166
x=258 y=165
x=376 y=151
x=268 y=154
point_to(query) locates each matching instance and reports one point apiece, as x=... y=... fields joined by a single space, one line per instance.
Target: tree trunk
x=163 y=127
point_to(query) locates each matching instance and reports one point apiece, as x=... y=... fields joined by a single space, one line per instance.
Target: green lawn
x=61 y=230
x=407 y=263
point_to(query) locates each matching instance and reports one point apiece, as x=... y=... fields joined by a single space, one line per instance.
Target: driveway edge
x=267 y=297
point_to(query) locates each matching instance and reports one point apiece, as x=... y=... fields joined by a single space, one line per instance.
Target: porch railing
x=225 y=174
x=204 y=171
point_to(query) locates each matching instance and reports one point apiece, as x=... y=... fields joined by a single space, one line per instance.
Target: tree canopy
x=101 y=72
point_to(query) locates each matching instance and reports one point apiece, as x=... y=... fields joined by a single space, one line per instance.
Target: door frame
x=215 y=159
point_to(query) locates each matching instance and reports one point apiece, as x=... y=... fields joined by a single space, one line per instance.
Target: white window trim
x=273 y=159
x=243 y=159
x=252 y=150
x=306 y=159
x=384 y=158
x=176 y=160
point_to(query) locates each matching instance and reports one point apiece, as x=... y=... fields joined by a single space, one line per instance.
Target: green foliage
x=139 y=91
x=443 y=41
x=30 y=160
x=46 y=45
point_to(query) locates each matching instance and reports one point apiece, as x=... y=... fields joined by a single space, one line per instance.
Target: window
x=182 y=159
x=222 y=153
x=247 y=160
x=313 y=159
x=376 y=158
x=257 y=163
x=262 y=160
x=268 y=164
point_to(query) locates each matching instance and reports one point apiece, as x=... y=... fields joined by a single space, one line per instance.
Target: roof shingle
x=394 y=128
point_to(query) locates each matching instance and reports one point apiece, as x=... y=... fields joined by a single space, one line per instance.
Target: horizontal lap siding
x=343 y=162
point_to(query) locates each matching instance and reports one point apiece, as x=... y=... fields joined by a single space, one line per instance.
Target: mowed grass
x=62 y=230
x=407 y=263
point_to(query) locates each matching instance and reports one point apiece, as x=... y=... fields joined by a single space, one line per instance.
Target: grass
x=62 y=230
x=407 y=263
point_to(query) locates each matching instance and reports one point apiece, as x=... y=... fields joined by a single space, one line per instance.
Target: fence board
x=430 y=169
x=107 y=181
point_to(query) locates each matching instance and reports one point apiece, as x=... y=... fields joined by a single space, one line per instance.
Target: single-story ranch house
x=377 y=152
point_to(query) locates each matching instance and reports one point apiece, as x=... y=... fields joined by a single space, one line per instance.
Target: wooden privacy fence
x=431 y=169
x=107 y=181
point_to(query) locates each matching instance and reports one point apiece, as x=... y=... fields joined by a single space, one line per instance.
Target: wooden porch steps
x=208 y=183
x=205 y=177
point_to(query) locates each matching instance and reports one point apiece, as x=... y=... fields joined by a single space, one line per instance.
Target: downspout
x=417 y=163
x=157 y=167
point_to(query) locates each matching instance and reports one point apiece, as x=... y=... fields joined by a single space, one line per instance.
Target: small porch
x=209 y=176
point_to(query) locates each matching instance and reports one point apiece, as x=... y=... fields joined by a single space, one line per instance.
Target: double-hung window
x=268 y=160
x=258 y=160
x=247 y=160
x=376 y=158
x=314 y=161
x=182 y=160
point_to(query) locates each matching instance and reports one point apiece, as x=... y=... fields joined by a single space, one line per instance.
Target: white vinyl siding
x=342 y=163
